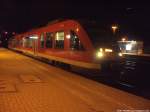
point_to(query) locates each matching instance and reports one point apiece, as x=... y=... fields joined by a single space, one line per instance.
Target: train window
x=20 y=42
x=12 y=42
x=75 y=43
x=17 y=42
x=30 y=42
x=59 y=40
x=49 y=40
x=26 y=42
x=42 y=40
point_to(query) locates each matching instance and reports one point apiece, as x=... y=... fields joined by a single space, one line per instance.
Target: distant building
x=131 y=47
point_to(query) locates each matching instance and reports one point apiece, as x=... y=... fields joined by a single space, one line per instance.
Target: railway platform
x=28 y=85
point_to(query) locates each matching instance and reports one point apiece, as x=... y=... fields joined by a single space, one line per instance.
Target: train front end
x=106 y=49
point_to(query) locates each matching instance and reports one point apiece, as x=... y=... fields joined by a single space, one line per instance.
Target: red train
x=68 y=41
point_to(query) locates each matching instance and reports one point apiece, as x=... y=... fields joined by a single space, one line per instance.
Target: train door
x=35 y=45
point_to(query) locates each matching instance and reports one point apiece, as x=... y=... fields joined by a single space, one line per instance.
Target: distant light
x=6 y=33
x=68 y=36
x=128 y=46
x=133 y=42
x=114 y=28
x=120 y=54
x=123 y=39
x=108 y=50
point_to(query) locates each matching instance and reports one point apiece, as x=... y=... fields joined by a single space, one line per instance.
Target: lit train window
x=75 y=43
x=12 y=42
x=59 y=40
x=49 y=40
x=26 y=42
x=42 y=40
x=30 y=43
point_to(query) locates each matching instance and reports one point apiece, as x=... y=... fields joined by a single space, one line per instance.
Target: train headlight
x=108 y=50
x=100 y=54
x=120 y=54
x=104 y=52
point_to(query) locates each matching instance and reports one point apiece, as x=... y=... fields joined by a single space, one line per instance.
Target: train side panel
x=81 y=54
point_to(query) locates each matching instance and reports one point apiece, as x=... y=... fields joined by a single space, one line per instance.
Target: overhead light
x=33 y=37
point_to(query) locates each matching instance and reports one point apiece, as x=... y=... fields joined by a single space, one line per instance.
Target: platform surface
x=28 y=85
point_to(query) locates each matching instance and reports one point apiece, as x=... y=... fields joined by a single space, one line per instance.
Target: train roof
x=100 y=35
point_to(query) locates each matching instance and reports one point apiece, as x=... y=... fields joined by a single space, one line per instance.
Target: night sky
x=133 y=17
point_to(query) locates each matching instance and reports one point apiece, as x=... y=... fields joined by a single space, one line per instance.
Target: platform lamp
x=114 y=29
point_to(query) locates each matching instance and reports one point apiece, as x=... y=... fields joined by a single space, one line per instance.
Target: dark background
x=132 y=17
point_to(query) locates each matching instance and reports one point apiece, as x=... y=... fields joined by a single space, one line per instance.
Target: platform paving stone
x=30 y=79
x=6 y=86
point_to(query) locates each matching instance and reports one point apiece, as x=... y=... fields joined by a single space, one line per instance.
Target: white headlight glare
x=120 y=54
x=100 y=54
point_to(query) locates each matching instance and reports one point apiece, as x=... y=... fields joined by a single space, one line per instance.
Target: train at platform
x=77 y=43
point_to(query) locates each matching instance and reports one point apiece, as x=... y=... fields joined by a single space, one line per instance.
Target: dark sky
x=133 y=17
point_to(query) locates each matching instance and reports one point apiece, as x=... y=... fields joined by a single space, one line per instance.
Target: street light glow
x=123 y=39
x=114 y=28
